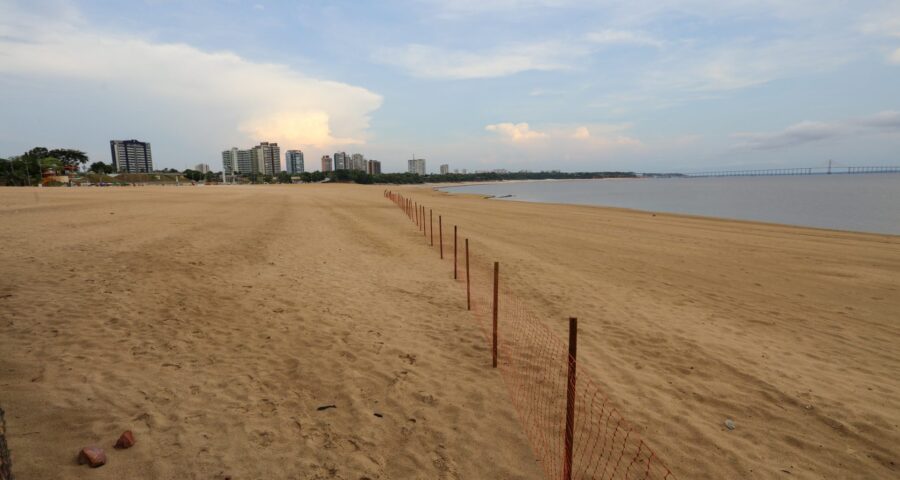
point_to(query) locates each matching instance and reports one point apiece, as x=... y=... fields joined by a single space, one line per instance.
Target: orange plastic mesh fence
x=535 y=364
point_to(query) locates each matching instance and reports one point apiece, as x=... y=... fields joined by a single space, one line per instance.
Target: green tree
x=100 y=167
x=194 y=175
x=284 y=177
x=69 y=157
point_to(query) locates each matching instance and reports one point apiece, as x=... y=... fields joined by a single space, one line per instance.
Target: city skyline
x=515 y=84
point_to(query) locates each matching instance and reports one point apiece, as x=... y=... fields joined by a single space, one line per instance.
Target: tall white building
x=417 y=166
x=341 y=161
x=327 y=165
x=445 y=169
x=266 y=158
x=202 y=167
x=358 y=162
x=131 y=156
x=293 y=161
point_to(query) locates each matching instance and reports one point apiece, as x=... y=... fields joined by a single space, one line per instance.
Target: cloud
x=809 y=132
x=623 y=37
x=433 y=62
x=581 y=133
x=744 y=63
x=515 y=132
x=260 y=101
x=895 y=57
x=596 y=136
x=462 y=8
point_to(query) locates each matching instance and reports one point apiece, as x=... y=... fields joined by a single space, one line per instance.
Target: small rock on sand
x=729 y=424
x=126 y=440
x=93 y=456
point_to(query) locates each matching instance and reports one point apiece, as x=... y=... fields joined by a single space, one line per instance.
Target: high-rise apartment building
x=373 y=167
x=266 y=158
x=341 y=161
x=229 y=161
x=417 y=166
x=445 y=169
x=326 y=164
x=244 y=161
x=131 y=156
x=202 y=167
x=358 y=162
x=293 y=161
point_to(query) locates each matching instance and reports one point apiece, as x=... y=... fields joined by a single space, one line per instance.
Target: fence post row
x=572 y=364
x=496 y=285
x=570 y=398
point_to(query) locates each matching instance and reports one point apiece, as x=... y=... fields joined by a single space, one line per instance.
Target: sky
x=589 y=85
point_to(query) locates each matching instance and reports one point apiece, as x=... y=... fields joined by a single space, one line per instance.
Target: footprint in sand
x=265 y=438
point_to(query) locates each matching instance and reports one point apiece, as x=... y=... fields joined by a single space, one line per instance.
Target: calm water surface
x=865 y=203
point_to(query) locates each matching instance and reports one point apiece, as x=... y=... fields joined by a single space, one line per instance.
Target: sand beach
x=220 y=324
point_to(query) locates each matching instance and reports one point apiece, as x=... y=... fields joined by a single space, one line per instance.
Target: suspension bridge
x=827 y=170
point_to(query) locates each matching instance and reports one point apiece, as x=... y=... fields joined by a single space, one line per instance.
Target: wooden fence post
x=454 y=252
x=431 y=221
x=441 y=235
x=468 y=282
x=570 y=398
x=424 y=230
x=496 y=308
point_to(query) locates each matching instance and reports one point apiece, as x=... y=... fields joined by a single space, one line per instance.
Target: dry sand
x=213 y=321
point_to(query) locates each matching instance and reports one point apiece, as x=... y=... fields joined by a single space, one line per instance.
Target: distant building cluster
x=131 y=156
x=356 y=161
x=264 y=158
x=445 y=169
x=416 y=165
x=134 y=156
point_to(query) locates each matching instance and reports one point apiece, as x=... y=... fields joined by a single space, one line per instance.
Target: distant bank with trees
x=28 y=168
x=356 y=176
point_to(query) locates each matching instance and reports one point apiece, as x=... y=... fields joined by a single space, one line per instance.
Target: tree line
x=356 y=176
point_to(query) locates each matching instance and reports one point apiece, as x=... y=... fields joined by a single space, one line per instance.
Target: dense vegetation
x=198 y=176
x=356 y=176
x=26 y=169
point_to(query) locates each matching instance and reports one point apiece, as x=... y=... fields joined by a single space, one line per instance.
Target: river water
x=858 y=202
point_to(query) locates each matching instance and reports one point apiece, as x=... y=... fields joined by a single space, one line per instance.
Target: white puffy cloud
x=176 y=82
x=581 y=133
x=566 y=136
x=515 y=132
